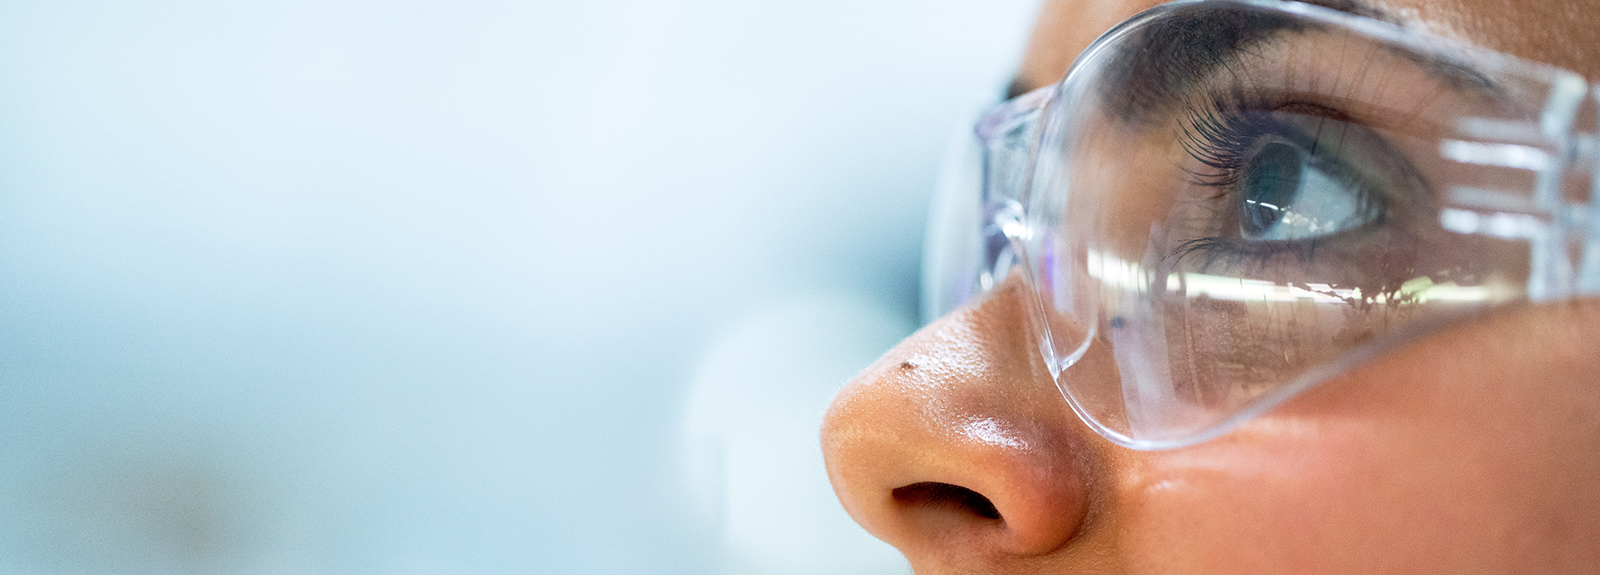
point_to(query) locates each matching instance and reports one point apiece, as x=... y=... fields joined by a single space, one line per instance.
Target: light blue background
x=458 y=286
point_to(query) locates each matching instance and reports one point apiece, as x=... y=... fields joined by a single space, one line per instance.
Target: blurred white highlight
x=1501 y=155
x=1502 y=225
x=1128 y=276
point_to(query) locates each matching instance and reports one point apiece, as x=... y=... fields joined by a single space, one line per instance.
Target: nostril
x=935 y=494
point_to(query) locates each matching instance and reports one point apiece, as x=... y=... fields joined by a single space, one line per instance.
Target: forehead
x=1565 y=33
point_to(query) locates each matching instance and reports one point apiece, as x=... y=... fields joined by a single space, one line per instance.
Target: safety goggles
x=1227 y=202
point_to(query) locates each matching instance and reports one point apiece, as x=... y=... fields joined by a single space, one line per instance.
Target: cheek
x=1216 y=509
x=1289 y=496
x=1431 y=460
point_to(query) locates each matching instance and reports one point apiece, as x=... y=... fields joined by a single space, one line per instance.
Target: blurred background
x=466 y=286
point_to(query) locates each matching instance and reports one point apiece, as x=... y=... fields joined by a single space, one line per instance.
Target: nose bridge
x=958 y=433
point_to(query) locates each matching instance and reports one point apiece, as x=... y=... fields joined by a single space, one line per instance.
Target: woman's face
x=1476 y=449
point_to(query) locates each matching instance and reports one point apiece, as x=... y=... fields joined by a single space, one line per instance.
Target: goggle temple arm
x=1563 y=234
x=1588 y=154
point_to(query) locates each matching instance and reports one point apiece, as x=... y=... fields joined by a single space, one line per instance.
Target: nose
x=955 y=446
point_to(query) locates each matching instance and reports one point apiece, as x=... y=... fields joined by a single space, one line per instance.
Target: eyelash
x=1218 y=140
x=1219 y=135
x=1234 y=254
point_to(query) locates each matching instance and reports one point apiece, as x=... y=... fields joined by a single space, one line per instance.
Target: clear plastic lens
x=1224 y=203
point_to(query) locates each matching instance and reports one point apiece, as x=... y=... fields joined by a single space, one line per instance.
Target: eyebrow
x=1018 y=86
x=1173 y=52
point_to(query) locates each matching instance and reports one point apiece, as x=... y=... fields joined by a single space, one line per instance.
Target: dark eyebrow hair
x=1169 y=54
x=1212 y=39
x=1164 y=58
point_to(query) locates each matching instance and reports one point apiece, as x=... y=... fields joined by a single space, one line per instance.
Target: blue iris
x=1270 y=187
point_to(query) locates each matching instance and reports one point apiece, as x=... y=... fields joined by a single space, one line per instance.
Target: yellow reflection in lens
x=1130 y=277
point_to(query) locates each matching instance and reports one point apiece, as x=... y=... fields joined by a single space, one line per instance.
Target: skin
x=1473 y=450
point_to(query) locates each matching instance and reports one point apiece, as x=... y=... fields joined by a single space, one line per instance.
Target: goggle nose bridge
x=1009 y=137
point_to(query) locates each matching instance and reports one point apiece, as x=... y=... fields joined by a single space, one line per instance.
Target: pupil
x=1271 y=182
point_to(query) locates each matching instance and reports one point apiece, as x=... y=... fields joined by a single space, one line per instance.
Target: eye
x=1277 y=185
x=1286 y=194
